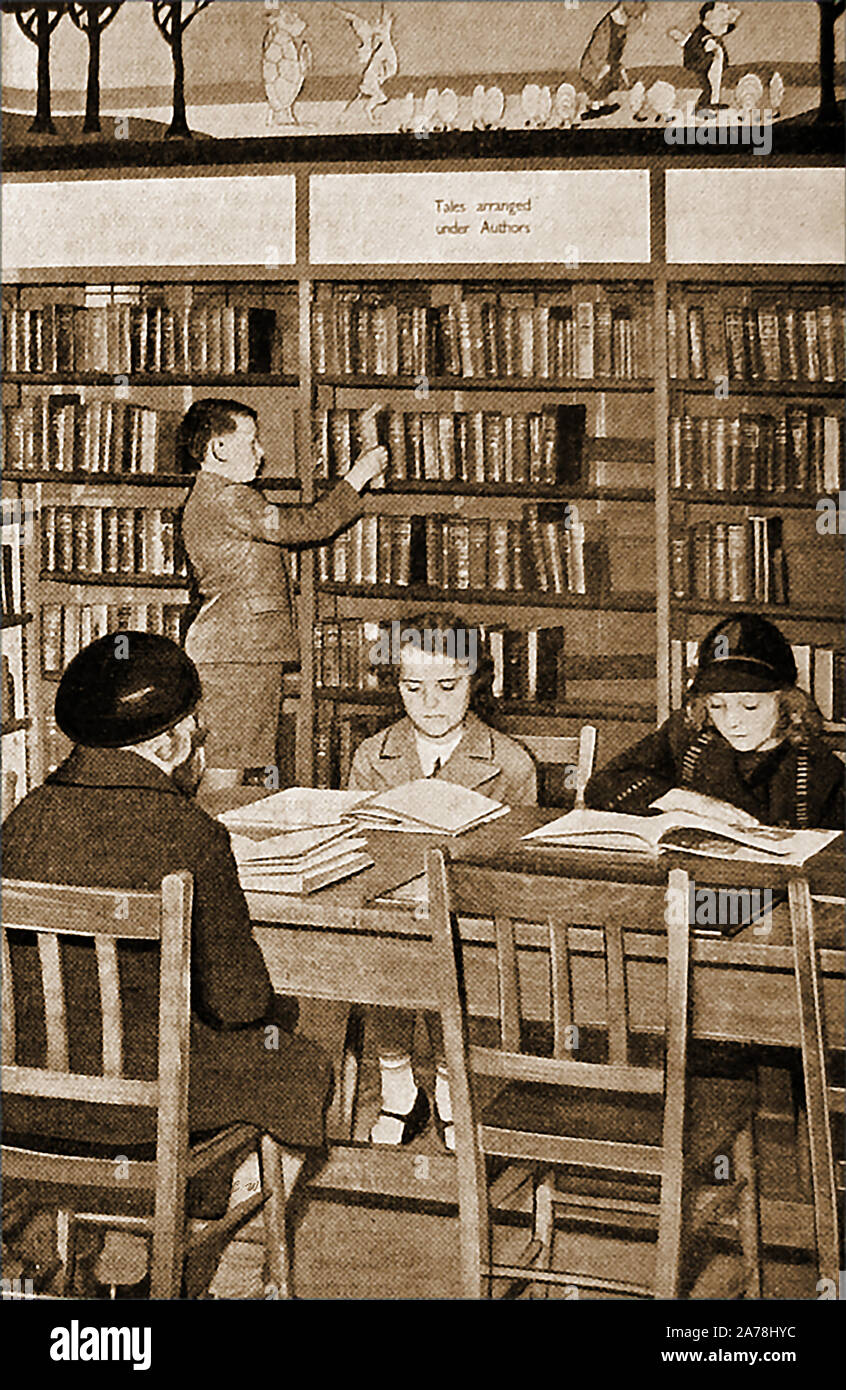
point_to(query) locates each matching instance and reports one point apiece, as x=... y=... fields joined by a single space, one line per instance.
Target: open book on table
x=688 y=823
x=428 y=805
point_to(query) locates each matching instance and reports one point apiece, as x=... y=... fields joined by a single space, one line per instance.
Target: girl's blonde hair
x=798 y=715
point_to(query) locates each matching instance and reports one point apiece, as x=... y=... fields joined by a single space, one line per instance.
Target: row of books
x=800 y=451
x=739 y=562
x=767 y=342
x=544 y=551
x=121 y=339
x=111 y=540
x=66 y=435
x=68 y=627
x=821 y=672
x=583 y=332
x=482 y=446
x=528 y=664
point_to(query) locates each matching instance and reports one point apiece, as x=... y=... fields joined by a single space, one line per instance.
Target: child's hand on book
x=709 y=807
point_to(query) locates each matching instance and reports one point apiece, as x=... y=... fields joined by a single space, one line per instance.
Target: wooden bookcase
x=755 y=439
x=626 y=638
x=97 y=375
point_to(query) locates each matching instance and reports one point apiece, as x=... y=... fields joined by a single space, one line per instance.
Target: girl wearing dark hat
x=747 y=735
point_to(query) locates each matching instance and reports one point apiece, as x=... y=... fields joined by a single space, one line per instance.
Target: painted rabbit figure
x=376 y=55
x=286 y=58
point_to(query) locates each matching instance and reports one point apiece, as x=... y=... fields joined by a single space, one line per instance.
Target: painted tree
x=171 y=24
x=37 y=22
x=92 y=20
x=830 y=12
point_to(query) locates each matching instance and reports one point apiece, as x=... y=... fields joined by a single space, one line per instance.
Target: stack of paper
x=428 y=806
x=297 y=861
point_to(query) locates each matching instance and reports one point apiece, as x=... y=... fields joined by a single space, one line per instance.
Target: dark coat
x=485 y=760
x=109 y=818
x=793 y=785
x=236 y=542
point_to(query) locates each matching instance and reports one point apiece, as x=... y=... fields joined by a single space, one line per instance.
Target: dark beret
x=744 y=652
x=126 y=688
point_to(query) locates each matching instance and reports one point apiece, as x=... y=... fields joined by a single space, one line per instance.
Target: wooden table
x=343 y=943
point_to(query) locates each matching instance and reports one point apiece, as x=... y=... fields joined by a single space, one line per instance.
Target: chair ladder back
x=815 y=1076
x=109 y=979
x=55 y=1012
x=8 y=1001
x=509 y=985
x=174 y=1041
x=474 y=1227
x=561 y=983
x=678 y=987
x=617 y=1008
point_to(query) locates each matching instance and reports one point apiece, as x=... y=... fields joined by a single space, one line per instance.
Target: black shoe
x=414 y=1121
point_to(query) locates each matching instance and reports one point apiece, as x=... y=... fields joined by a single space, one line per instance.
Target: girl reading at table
x=442 y=677
x=747 y=735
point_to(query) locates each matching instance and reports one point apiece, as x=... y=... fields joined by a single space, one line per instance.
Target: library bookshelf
x=557 y=426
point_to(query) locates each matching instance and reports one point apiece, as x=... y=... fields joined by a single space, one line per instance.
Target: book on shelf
x=798 y=452
x=11 y=551
x=785 y=340
x=725 y=833
x=449 y=330
x=14 y=685
x=154 y=339
x=112 y=541
x=427 y=805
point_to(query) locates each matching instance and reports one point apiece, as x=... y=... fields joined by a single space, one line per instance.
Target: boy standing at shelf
x=245 y=632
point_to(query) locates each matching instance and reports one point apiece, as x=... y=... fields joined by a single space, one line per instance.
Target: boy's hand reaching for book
x=367 y=467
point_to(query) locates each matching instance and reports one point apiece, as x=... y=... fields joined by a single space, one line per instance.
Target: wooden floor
x=350 y=1250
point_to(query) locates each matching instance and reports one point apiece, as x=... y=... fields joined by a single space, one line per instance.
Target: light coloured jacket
x=485 y=760
x=236 y=544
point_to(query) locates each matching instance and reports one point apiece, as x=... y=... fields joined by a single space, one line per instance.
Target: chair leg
x=544 y=1229
x=278 y=1255
x=749 y=1221
x=803 y=1154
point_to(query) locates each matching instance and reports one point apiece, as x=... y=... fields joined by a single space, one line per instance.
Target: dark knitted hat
x=126 y=688
x=744 y=652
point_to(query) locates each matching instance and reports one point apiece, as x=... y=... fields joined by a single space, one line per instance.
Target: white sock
x=399 y=1089
x=399 y=1092
x=443 y=1100
x=246 y=1181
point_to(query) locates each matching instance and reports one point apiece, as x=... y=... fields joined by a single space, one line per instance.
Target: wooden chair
x=822 y=1098
x=569 y=1124
x=100 y=1189
x=554 y=751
